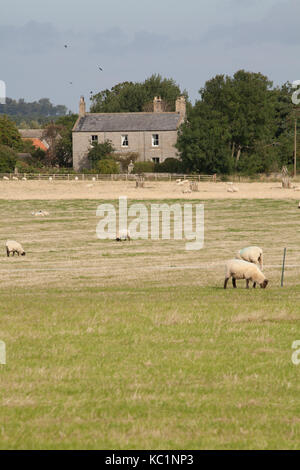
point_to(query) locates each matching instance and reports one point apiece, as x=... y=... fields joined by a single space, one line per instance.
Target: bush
x=107 y=166
x=8 y=158
x=143 y=167
x=170 y=165
x=98 y=152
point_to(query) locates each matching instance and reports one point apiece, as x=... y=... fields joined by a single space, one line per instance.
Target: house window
x=155 y=160
x=94 y=139
x=124 y=140
x=155 y=140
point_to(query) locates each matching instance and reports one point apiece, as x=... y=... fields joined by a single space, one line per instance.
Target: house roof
x=38 y=144
x=114 y=122
x=31 y=133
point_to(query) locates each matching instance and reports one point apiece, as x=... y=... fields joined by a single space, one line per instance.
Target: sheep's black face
x=264 y=284
x=23 y=254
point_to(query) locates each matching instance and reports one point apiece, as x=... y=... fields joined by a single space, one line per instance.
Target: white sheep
x=50 y=178
x=93 y=179
x=239 y=269
x=123 y=235
x=24 y=178
x=14 y=247
x=76 y=178
x=15 y=178
x=40 y=213
x=5 y=178
x=252 y=254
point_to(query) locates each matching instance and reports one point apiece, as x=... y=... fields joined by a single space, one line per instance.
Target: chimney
x=157 y=104
x=180 y=107
x=81 y=107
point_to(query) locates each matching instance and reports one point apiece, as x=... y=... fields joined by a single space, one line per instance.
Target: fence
x=102 y=177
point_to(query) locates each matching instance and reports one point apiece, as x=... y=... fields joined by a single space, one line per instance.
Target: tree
x=204 y=141
x=100 y=151
x=137 y=97
x=64 y=155
x=232 y=126
x=8 y=158
x=52 y=135
x=9 y=134
x=41 y=111
x=247 y=101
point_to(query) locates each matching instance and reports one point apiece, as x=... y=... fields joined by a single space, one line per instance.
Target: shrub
x=107 y=166
x=98 y=152
x=170 y=165
x=143 y=167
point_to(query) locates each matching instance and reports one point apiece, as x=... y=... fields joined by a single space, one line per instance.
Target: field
x=136 y=345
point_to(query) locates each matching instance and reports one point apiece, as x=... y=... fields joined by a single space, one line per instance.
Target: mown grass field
x=136 y=345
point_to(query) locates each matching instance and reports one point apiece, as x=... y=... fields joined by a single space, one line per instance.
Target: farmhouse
x=35 y=136
x=152 y=135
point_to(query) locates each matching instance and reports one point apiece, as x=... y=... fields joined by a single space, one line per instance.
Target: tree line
x=240 y=123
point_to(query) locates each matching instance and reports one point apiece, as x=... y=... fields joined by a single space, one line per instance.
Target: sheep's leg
x=7 y=251
x=254 y=285
x=234 y=282
x=225 y=282
x=247 y=283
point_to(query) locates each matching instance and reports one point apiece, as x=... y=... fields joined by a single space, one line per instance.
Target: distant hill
x=33 y=114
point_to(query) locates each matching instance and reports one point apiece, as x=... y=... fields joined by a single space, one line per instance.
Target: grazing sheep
x=239 y=269
x=40 y=213
x=15 y=178
x=50 y=178
x=232 y=189
x=252 y=254
x=123 y=235
x=5 y=178
x=24 y=178
x=14 y=247
x=76 y=178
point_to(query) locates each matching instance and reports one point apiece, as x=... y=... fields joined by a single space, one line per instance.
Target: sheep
x=24 y=178
x=123 y=235
x=232 y=189
x=40 y=213
x=252 y=254
x=15 y=178
x=240 y=269
x=50 y=178
x=14 y=247
x=5 y=178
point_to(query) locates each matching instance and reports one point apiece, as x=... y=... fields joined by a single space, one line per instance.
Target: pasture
x=136 y=345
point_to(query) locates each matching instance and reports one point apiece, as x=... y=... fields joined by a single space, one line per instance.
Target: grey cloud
x=280 y=25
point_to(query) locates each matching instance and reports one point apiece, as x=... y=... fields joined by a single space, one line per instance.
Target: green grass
x=137 y=345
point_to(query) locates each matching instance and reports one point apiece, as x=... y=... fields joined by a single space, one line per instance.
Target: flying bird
x=66 y=46
x=101 y=69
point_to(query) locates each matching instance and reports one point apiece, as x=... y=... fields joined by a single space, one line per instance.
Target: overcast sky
x=189 y=41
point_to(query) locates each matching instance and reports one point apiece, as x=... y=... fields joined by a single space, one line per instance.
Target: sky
x=190 y=41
